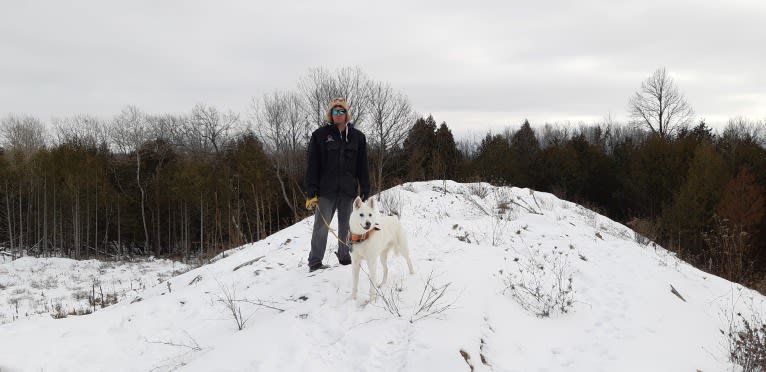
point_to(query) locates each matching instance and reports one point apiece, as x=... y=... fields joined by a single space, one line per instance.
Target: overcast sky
x=477 y=65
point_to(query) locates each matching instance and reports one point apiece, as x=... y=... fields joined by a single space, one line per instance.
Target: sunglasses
x=336 y=112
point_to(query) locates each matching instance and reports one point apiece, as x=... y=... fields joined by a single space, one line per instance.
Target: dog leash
x=324 y=220
x=349 y=242
x=328 y=225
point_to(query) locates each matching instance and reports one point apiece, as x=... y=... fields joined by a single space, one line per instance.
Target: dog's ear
x=357 y=202
x=371 y=202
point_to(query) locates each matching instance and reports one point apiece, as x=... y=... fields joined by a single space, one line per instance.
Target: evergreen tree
x=692 y=210
x=742 y=203
x=525 y=157
x=491 y=163
x=655 y=174
x=419 y=148
x=446 y=157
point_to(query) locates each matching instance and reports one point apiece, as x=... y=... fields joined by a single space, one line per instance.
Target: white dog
x=372 y=236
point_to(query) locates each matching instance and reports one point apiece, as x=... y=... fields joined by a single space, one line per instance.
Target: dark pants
x=327 y=208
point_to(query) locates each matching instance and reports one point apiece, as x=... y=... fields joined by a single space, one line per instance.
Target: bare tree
x=22 y=133
x=280 y=125
x=660 y=106
x=353 y=84
x=390 y=118
x=85 y=129
x=320 y=86
x=168 y=127
x=129 y=131
x=316 y=90
x=211 y=126
x=745 y=130
x=555 y=134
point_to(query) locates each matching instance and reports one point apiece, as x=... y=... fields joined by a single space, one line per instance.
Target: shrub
x=746 y=340
x=479 y=189
x=543 y=283
x=391 y=203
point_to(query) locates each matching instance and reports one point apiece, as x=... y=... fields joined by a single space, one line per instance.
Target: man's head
x=337 y=111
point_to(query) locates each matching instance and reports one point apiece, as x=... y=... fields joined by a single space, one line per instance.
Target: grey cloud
x=551 y=59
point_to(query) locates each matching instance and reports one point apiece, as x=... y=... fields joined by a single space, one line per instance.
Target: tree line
x=191 y=185
x=186 y=185
x=697 y=193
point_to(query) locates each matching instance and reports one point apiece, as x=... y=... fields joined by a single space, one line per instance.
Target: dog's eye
x=361 y=214
x=370 y=214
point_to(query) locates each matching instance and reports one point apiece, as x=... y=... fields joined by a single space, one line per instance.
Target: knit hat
x=338 y=102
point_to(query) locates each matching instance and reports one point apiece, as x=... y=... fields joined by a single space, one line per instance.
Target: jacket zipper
x=340 y=158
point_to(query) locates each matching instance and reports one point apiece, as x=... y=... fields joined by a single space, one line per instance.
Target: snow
x=471 y=238
x=33 y=287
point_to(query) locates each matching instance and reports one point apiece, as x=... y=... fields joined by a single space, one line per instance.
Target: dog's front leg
x=355 y=265
x=372 y=265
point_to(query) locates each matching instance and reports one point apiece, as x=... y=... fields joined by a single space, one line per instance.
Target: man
x=337 y=172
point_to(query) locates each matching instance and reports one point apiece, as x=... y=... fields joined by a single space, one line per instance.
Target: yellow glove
x=311 y=202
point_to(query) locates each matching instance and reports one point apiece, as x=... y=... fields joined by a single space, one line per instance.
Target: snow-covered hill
x=476 y=246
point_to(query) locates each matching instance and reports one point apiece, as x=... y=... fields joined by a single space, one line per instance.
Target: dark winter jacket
x=337 y=163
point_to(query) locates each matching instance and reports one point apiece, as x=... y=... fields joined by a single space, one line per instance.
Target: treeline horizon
x=189 y=186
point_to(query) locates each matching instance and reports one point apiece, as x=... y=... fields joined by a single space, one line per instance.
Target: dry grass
x=542 y=283
x=746 y=339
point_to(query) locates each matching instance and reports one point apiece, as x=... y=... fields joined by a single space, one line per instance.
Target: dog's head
x=363 y=216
